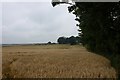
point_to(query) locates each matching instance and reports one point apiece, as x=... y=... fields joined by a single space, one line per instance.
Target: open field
x=0 y=62
x=58 y=61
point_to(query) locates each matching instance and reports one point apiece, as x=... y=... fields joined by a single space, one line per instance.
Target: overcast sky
x=36 y=22
x=0 y=23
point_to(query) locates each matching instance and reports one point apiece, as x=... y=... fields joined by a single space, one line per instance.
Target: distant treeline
x=44 y=43
x=69 y=40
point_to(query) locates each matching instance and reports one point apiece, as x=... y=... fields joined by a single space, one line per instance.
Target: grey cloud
x=36 y=22
x=0 y=23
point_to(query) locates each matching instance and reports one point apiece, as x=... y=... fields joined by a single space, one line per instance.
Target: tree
x=78 y=39
x=69 y=40
x=99 y=25
x=72 y=40
x=61 y=40
x=49 y=42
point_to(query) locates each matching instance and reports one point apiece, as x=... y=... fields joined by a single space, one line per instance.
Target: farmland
x=0 y=62
x=54 y=61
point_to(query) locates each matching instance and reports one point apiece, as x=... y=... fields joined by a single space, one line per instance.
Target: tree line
x=69 y=40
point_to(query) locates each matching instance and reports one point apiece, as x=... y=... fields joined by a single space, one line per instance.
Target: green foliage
x=99 y=25
x=49 y=42
x=70 y=40
x=61 y=40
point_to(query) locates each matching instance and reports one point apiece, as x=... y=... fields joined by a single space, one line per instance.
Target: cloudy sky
x=34 y=22
x=0 y=23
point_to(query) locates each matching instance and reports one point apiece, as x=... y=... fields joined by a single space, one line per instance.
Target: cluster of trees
x=99 y=24
x=69 y=40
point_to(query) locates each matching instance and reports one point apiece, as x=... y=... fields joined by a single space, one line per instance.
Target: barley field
x=0 y=62
x=54 y=61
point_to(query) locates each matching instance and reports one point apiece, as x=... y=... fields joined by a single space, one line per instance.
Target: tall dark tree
x=99 y=25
